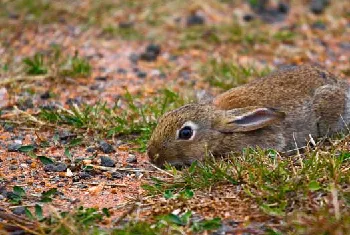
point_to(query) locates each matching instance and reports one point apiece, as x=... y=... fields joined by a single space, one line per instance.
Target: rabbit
x=279 y=111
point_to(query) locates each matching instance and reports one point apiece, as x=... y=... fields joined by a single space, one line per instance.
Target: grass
x=35 y=65
x=85 y=221
x=226 y=74
x=127 y=117
x=278 y=185
x=57 y=64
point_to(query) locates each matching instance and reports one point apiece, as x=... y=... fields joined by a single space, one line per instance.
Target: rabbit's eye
x=185 y=133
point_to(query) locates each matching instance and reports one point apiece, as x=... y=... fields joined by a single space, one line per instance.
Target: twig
x=161 y=170
x=31 y=117
x=5 y=81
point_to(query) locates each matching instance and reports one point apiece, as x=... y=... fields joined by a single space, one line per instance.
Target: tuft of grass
x=226 y=75
x=57 y=64
x=35 y=65
x=76 y=67
x=279 y=185
x=128 y=116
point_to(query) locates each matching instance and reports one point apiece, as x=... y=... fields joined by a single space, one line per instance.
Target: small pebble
x=65 y=135
x=13 y=147
x=107 y=161
x=90 y=149
x=101 y=78
x=125 y=24
x=131 y=159
x=84 y=175
x=122 y=71
x=283 y=7
x=134 y=58
x=141 y=74
x=318 y=25
x=106 y=147
x=155 y=48
x=195 y=19
x=318 y=6
x=148 y=56
x=248 y=17
x=21 y=210
x=45 y=95
x=13 y=167
x=56 y=167
x=117 y=175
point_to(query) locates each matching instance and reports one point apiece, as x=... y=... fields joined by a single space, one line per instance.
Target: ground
x=82 y=84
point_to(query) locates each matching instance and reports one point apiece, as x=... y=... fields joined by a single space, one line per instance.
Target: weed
x=35 y=65
x=226 y=75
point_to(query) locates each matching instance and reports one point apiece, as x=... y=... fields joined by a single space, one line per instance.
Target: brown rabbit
x=278 y=111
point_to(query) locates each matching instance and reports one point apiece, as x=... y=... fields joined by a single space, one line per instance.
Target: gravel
x=106 y=147
x=56 y=167
x=107 y=161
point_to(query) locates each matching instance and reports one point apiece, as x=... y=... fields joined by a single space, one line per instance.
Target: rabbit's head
x=189 y=132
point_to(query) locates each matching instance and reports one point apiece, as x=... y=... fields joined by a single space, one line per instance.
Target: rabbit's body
x=279 y=111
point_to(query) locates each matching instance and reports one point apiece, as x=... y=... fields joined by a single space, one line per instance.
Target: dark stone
x=3 y=191
x=13 y=167
x=45 y=95
x=28 y=161
x=248 y=17
x=117 y=175
x=141 y=74
x=318 y=25
x=56 y=167
x=90 y=149
x=122 y=71
x=75 y=100
x=283 y=7
x=107 y=161
x=125 y=24
x=106 y=147
x=21 y=210
x=13 y=147
x=101 y=78
x=84 y=175
x=318 y=6
x=345 y=45
x=195 y=19
x=155 y=48
x=148 y=56
x=94 y=87
x=131 y=159
x=134 y=58
x=66 y=135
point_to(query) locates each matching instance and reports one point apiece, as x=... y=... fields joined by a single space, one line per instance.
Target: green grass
x=226 y=74
x=87 y=221
x=35 y=65
x=129 y=116
x=278 y=185
x=57 y=64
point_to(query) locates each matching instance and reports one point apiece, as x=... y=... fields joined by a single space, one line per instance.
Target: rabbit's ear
x=248 y=119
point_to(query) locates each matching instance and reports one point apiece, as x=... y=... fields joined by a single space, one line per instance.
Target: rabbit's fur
x=279 y=111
